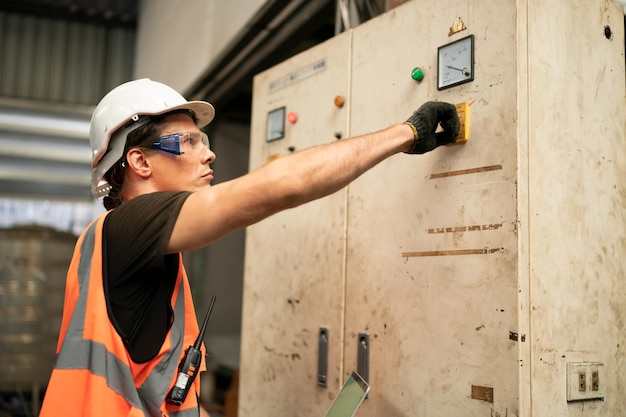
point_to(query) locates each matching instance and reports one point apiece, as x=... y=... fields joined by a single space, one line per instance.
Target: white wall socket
x=585 y=381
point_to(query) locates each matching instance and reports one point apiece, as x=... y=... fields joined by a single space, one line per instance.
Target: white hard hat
x=121 y=111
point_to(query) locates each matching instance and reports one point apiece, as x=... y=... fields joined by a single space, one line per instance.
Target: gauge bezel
x=441 y=61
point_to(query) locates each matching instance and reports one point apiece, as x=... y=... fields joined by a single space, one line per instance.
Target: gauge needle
x=465 y=71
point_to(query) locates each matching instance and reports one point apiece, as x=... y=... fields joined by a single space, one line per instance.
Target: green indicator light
x=417 y=74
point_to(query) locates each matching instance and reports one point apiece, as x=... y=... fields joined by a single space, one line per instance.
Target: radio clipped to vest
x=189 y=365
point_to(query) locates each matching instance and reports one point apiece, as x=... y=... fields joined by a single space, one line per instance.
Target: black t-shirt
x=139 y=277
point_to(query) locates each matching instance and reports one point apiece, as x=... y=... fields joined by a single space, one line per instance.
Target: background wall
x=176 y=44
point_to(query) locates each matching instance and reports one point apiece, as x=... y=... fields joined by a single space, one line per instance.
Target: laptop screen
x=349 y=398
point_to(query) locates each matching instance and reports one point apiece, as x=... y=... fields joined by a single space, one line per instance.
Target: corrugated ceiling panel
x=44 y=154
x=63 y=62
x=62 y=68
x=9 y=29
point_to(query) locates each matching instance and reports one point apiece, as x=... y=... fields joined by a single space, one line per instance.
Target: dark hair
x=142 y=138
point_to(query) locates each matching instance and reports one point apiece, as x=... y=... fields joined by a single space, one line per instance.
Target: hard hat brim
x=203 y=111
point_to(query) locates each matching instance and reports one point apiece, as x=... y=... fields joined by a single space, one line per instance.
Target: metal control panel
x=441 y=275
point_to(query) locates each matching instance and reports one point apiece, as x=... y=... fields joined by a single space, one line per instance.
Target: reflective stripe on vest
x=78 y=353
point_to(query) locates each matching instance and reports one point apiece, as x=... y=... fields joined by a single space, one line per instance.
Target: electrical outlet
x=582 y=381
x=585 y=381
x=595 y=380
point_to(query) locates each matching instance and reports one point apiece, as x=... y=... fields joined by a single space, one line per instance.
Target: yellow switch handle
x=462 y=109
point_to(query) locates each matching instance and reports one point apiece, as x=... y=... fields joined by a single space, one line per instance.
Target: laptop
x=350 y=397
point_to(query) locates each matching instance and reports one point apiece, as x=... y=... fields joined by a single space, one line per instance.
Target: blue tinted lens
x=169 y=143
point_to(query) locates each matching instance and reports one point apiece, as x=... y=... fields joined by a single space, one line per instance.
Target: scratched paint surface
x=432 y=256
x=576 y=199
x=294 y=269
x=490 y=264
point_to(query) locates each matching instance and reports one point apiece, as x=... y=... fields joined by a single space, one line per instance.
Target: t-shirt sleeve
x=140 y=229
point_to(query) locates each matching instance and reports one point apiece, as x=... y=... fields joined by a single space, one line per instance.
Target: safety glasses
x=182 y=142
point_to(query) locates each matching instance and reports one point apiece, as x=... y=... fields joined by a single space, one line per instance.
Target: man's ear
x=136 y=161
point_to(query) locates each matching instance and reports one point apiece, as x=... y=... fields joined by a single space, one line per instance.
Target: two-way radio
x=189 y=366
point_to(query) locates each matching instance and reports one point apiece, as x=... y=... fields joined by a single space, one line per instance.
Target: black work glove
x=424 y=123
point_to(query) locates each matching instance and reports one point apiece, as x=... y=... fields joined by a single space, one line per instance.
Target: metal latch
x=322 y=358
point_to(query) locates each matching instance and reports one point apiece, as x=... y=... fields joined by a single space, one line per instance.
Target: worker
x=128 y=313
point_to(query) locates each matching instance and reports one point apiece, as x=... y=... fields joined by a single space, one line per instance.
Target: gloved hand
x=424 y=123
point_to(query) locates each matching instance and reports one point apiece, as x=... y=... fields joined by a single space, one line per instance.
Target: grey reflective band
x=79 y=353
x=154 y=389
x=85 y=354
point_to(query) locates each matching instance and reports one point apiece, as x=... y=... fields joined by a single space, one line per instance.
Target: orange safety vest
x=94 y=374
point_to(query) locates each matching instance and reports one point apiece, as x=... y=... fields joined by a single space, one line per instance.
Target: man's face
x=189 y=171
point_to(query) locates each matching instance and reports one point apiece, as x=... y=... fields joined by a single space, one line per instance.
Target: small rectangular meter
x=275 y=124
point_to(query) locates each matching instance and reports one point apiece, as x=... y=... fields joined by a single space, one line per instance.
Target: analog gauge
x=455 y=63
